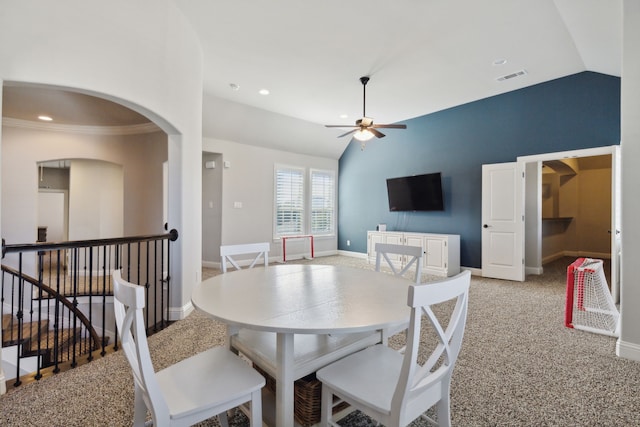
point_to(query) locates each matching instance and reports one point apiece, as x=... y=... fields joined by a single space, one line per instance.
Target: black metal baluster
x=20 y=322
x=57 y=318
x=39 y=355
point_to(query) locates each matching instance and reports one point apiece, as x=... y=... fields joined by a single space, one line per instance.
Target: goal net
x=589 y=304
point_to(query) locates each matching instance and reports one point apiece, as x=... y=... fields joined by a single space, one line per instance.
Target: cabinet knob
x=485 y=226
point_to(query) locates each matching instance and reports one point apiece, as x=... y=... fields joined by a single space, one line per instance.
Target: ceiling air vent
x=512 y=75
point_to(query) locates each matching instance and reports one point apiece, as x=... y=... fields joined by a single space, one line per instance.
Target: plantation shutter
x=322 y=202
x=289 y=191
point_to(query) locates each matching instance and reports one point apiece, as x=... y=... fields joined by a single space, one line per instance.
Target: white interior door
x=52 y=213
x=503 y=221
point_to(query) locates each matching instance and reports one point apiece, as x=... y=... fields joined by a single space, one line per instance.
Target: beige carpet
x=519 y=366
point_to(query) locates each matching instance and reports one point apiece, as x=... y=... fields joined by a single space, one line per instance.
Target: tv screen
x=415 y=193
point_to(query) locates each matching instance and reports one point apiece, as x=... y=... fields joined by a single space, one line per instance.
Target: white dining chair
x=395 y=388
x=227 y=252
x=414 y=257
x=190 y=391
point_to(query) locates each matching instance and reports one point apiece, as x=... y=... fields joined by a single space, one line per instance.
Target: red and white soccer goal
x=589 y=304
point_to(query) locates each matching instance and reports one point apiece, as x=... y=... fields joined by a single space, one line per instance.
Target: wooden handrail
x=48 y=246
x=59 y=297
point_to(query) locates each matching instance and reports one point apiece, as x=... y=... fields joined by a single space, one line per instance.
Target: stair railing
x=65 y=315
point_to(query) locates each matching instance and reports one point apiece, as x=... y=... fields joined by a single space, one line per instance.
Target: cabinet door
x=374 y=237
x=436 y=253
x=415 y=240
x=395 y=239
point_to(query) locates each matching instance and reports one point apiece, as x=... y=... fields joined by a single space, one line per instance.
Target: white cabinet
x=441 y=251
x=392 y=237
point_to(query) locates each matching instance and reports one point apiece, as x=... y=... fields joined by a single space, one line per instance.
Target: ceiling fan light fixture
x=364 y=128
x=363 y=135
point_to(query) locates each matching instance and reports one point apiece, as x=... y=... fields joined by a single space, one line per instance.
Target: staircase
x=61 y=315
x=37 y=342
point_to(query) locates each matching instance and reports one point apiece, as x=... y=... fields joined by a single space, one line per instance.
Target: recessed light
x=234 y=86
x=45 y=118
x=500 y=61
x=263 y=92
x=344 y=116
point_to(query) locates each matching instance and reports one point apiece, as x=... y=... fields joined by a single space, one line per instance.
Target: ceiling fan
x=365 y=129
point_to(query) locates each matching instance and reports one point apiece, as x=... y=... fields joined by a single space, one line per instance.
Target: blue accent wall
x=570 y=113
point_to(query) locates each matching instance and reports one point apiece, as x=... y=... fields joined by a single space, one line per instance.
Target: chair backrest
x=417 y=378
x=128 y=304
x=228 y=251
x=413 y=254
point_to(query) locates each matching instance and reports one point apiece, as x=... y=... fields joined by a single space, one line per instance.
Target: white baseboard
x=576 y=254
x=628 y=350
x=534 y=270
x=211 y=264
x=353 y=254
x=474 y=271
x=179 y=313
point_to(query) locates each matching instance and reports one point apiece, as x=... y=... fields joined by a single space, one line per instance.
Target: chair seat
x=368 y=377
x=206 y=380
x=395 y=388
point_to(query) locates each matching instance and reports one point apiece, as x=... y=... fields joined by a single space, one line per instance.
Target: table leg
x=231 y=330
x=284 y=380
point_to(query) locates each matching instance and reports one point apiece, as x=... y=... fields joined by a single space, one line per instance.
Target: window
x=322 y=202
x=302 y=208
x=289 y=203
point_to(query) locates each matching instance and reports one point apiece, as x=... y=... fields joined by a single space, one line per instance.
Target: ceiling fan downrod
x=364 y=80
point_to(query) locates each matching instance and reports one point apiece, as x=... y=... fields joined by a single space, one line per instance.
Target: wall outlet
x=348 y=242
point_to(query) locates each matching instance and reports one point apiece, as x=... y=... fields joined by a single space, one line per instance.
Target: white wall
x=96 y=200
x=140 y=157
x=211 y=209
x=249 y=180
x=142 y=54
x=629 y=342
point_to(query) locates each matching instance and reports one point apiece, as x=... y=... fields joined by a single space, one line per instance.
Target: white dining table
x=302 y=299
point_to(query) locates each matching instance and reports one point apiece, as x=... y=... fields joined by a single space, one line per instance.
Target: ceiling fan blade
x=347 y=133
x=377 y=133
x=340 y=126
x=391 y=126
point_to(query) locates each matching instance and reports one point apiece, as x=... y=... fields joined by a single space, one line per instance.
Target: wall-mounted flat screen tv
x=415 y=193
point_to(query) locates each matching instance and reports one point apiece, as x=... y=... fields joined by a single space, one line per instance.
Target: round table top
x=311 y=299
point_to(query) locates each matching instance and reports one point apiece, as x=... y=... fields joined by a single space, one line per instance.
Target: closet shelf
x=559 y=219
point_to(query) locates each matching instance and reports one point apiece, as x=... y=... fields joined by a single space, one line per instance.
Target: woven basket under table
x=307 y=398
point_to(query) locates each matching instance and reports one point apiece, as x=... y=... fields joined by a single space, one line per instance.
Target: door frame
x=533 y=235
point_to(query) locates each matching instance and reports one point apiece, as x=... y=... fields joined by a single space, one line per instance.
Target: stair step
x=29 y=332
x=6 y=321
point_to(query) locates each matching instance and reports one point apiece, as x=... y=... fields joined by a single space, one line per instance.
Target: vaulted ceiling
x=422 y=56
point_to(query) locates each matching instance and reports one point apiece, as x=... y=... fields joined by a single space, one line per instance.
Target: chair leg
x=443 y=409
x=223 y=420
x=256 y=408
x=139 y=408
x=326 y=406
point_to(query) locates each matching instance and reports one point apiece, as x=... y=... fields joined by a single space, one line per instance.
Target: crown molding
x=91 y=130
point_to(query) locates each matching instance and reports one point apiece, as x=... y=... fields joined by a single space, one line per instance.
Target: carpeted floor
x=519 y=366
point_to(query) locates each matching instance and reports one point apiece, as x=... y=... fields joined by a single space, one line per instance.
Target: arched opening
x=93 y=136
